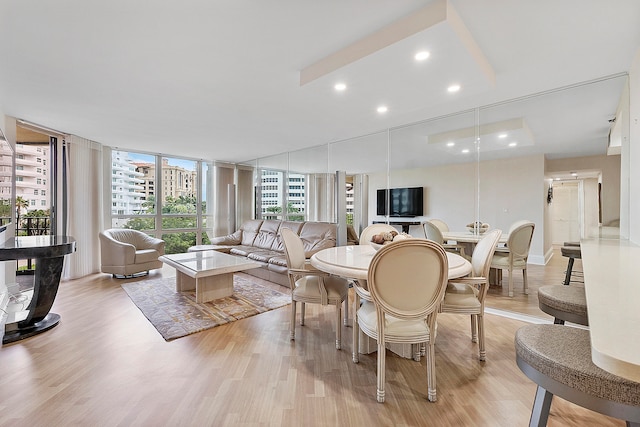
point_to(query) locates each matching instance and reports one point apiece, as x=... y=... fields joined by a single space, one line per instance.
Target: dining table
x=469 y=240
x=352 y=262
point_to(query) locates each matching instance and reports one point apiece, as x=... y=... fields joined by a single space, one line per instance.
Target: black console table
x=405 y=224
x=48 y=252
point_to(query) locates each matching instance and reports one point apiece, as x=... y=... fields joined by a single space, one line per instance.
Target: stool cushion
x=563 y=353
x=570 y=299
x=571 y=251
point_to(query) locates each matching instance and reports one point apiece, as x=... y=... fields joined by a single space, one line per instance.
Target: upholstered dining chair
x=433 y=232
x=406 y=282
x=373 y=229
x=466 y=295
x=515 y=254
x=442 y=226
x=311 y=286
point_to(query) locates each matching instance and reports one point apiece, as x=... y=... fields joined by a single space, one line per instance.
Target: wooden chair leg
x=510 y=282
x=302 y=312
x=356 y=330
x=474 y=328
x=524 y=279
x=338 y=325
x=293 y=320
x=381 y=369
x=431 y=371
x=346 y=310
x=481 y=348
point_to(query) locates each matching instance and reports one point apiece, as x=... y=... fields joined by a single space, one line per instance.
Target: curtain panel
x=83 y=204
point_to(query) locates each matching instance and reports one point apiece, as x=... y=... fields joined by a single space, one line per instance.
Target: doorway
x=565 y=212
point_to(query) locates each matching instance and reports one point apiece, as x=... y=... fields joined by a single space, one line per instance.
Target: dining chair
x=373 y=229
x=433 y=232
x=406 y=282
x=310 y=286
x=466 y=295
x=442 y=226
x=514 y=255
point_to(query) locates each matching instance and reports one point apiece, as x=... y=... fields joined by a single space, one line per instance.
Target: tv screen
x=407 y=202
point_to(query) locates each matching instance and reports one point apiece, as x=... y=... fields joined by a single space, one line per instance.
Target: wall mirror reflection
x=552 y=158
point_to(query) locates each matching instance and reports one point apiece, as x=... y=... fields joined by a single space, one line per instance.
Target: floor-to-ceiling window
x=159 y=195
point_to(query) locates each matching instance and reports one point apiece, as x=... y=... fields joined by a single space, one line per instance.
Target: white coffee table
x=210 y=273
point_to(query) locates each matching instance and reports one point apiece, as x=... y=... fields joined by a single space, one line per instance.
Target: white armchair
x=125 y=252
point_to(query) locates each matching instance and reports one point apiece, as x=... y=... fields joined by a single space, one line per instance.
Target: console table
x=48 y=252
x=405 y=224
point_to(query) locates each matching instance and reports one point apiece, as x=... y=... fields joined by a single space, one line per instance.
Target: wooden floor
x=105 y=365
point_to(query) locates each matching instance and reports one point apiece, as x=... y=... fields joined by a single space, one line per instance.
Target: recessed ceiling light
x=382 y=109
x=450 y=144
x=574 y=174
x=340 y=87
x=513 y=144
x=465 y=151
x=422 y=55
x=502 y=136
x=454 y=88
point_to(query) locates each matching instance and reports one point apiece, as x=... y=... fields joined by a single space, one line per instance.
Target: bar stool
x=565 y=303
x=572 y=251
x=558 y=359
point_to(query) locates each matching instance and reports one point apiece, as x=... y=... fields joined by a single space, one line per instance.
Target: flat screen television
x=402 y=202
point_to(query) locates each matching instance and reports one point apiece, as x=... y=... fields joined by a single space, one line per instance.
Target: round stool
x=558 y=359
x=572 y=252
x=565 y=303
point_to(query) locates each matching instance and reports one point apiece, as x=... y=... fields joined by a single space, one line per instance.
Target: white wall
x=510 y=190
x=633 y=149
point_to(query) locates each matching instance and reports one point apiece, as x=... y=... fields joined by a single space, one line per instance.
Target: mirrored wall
x=494 y=164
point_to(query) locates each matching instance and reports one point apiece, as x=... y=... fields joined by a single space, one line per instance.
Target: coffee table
x=210 y=273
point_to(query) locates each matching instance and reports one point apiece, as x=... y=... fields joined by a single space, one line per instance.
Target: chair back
x=520 y=239
x=293 y=249
x=518 y=224
x=432 y=232
x=407 y=279
x=442 y=226
x=373 y=229
x=483 y=253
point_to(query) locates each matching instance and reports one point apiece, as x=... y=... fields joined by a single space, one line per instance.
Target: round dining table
x=352 y=262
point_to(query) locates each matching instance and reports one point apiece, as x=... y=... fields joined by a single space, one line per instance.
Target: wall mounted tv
x=402 y=202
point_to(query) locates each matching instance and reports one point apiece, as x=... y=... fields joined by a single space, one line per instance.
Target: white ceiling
x=220 y=80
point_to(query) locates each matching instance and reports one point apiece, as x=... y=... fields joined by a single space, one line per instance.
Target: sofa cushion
x=316 y=236
x=262 y=256
x=243 y=250
x=249 y=231
x=295 y=226
x=267 y=235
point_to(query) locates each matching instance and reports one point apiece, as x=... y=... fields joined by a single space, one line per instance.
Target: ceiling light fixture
x=513 y=144
x=502 y=136
x=340 y=87
x=574 y=173
x=465 y=151
x=454 y=88
x=422 y=55
x=382 y=109
x=450 y=144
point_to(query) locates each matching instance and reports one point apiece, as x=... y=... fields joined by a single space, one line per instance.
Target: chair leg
x=346 y=310
x=338 y=325
x=293 y=320
x=381 y=369
x=356 y=330
x=302 y=311
x=481 y=348
x=431 y=371
x=423 y=349
x=541 y=406
x=474 y=328
x=524 y=279
x=510 y=282
x=567 y=275
x=415 y=349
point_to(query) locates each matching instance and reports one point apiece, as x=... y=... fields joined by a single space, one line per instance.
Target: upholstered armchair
x=125 y=252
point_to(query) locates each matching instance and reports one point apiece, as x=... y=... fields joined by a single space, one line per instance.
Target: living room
x=494 y=186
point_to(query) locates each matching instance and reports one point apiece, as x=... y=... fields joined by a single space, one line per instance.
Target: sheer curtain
x=82 y=200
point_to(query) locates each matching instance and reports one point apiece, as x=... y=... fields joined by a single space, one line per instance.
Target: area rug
x=177 y=314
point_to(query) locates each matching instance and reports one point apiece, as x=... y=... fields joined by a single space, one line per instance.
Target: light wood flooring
x=106 y=365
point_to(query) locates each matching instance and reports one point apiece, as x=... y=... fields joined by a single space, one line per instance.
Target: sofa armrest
x=114 y=252
x=149 y=242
